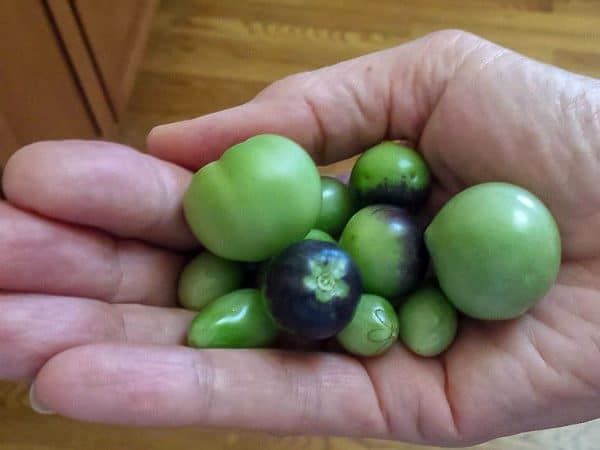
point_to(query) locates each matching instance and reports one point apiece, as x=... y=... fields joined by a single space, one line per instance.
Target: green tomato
x=236 y=320
x=336 y=206
x=496 y=250
x=319 y=235
x=428 y=322
x=390 y=173
x=262 y=195
x=373 y=328
x=386 y=242
x=207 y=277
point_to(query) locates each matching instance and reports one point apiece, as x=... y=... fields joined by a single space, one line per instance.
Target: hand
x=92 y=239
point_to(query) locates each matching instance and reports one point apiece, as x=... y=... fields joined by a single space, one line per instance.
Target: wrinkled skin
x=91 y=238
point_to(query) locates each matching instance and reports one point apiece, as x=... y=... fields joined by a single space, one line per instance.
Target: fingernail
x=35 y=403
x=159 y=130
x=158 y=138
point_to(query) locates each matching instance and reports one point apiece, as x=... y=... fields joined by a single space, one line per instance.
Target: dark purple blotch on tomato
x=392 y=193
x=412 y=267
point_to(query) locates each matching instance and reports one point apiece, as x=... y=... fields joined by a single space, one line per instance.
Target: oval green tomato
x=336 y=206
x=373 y=328
x=428 y=322
x=207 y=277
x=496 y=250
x=262 y=195
x=236 y=320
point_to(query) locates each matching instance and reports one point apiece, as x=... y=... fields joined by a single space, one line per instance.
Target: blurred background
x=113 y=69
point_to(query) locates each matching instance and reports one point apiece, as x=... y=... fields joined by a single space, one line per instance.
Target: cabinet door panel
x=40 y=96
x=82 y=61
x=117 y=32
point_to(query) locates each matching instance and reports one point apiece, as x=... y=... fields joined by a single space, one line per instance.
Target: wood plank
x=286 y=39
x=583 y=7
x=402 y=12
x=583 y=62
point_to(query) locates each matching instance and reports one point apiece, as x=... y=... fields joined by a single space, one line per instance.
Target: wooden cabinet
x=67 y=67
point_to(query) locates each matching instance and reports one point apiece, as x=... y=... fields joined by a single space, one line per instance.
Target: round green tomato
x=262 y=195
x=207 y=277
x=390 y=173
x=319 y=235
x=336 y=206
x=373 y=328
x=496 y=250
x=236 y=320
x=428 y=322
x=386 y=242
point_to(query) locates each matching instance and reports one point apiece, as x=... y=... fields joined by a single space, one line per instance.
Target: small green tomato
x=207 y=277
x=336 y=206
x=386 y=242
x=236 y=320
x=390 y=173
x=428 y=322
x=373 y=328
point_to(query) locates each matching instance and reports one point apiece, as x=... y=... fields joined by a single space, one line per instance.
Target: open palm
x=92 y=238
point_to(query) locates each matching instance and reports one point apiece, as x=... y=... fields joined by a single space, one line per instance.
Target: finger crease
x=454 y=417
x=124 y=327
x=158 y=215
x=385 y=414
x=420 y=419
x=114 y=296
x=204 y=377
x=321 y=148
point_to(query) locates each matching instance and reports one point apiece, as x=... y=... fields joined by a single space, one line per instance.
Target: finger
x=267 y=390
x=33 y=328
x=333 y=112
x=44 y=256
x=103 y=185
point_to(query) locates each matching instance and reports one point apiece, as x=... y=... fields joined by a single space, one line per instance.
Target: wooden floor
x=205 y=55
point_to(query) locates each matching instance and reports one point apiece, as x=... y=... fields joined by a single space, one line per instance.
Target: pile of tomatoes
x=365 y=263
